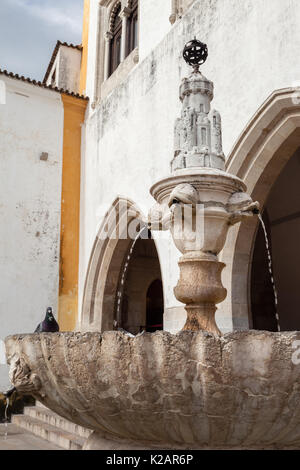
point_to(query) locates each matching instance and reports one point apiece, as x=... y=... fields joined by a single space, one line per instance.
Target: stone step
x=49 y=417
x=48 y=432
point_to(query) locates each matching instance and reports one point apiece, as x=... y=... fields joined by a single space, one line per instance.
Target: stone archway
x=260 y=154
x=108 y=257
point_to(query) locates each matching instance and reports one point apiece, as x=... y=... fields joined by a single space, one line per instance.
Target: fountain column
x=199 y=201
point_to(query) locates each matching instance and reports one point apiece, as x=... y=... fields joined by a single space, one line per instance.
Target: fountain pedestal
x=200 y=288
x=192 y=390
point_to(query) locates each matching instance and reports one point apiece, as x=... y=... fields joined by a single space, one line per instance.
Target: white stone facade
x=31 y=146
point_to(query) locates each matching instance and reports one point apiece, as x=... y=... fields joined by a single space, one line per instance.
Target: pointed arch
x=112 y=233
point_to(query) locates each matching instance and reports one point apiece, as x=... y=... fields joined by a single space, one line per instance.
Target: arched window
x=116 y=29
x=132 y=27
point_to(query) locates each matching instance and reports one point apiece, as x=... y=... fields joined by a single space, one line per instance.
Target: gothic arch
x=259 y=155
x=114 y=9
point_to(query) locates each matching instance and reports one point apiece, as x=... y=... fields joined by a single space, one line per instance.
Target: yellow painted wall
x=85 y=38
x=74 y=112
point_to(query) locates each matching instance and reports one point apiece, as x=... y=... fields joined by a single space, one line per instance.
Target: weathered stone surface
x=189 y=390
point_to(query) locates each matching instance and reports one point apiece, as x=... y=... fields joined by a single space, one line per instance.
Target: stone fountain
x=196 y=389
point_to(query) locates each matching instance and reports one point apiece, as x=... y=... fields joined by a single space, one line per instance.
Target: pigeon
x=49 y=325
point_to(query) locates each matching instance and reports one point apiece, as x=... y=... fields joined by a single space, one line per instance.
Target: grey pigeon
x=49 y=325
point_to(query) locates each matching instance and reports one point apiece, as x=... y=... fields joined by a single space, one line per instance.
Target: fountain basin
x=186 y=391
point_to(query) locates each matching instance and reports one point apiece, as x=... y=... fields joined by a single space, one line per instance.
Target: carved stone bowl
x=186 y=391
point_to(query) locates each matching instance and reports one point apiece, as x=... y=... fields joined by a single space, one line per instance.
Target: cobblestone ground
x=18 y=439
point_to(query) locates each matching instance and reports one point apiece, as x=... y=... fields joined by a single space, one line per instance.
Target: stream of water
x=123 y=278
x=270 y=265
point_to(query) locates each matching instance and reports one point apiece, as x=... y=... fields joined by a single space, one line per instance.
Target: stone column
x=124 y=14
x=108 y=37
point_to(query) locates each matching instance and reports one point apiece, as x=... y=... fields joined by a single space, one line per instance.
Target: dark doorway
x=142 y=306
x=155 y=307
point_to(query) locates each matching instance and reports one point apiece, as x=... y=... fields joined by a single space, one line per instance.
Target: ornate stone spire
x=198 y=133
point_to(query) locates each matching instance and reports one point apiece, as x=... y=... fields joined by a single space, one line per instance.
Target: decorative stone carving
x=186 y=391
x=241 y=206
x=198 y=136
x=21 y=376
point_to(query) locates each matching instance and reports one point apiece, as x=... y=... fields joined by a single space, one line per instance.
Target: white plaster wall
x=253 y=50
x=31 y=122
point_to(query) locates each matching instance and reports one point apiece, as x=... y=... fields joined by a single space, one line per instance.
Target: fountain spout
x=199 y=201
